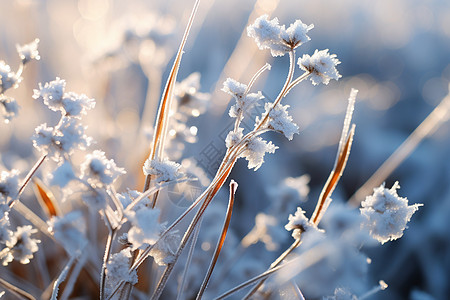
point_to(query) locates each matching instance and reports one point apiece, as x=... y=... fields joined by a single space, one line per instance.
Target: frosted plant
x=280 y=120
x=69 y=230
x=117 y=270
x=387 y=213
x=145 y=228
x=255 y=151
x=321 y=65
x=165 y=170
x=20 y=246
x=299 y=223
x=29 y=51
x=268 y=34
x=99 y=171
x=244 y=100
x=70 y=103
x=55 y=142
x=8 y=79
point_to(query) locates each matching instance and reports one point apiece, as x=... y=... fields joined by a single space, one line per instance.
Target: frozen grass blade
x=62 y=276
x=220 y=242
x=28 y=178
x=434 y=120
x=345 y=144
x=162 y=118
x=15 y=290
x=46 y=198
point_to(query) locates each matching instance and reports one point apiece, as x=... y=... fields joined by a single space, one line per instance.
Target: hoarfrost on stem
x=255 y=150
x=165 y=170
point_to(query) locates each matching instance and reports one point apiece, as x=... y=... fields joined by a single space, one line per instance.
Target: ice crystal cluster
x=387 y=213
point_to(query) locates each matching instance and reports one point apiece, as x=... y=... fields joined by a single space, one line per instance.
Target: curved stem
x=108 y=247
x=220 y=242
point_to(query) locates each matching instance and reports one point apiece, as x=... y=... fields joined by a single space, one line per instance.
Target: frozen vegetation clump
x=126 y=213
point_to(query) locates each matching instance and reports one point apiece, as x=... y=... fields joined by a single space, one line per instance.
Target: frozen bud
x=145 y=228
x=386 y=213
x=234 y=137
x=29 y=51
x=117 y=270
x=20 y=247
x=234 y=88
x=52 y=93
x=280 y=120
x=98 y=170
x=165 y=170
x=8 y=79
x=10 y=108
x=255 y=150
x=321 y=65
x=299 y=223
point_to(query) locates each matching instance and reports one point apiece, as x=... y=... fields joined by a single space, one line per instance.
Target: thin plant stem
x=188 y=260
x=220 y=242
x=15 y=290
x=111 y=236
x=301 y=263
x=275 y=264
x=62 y=276
x=27 y=179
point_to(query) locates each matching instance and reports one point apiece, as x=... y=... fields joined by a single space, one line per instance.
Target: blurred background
x=396 y=53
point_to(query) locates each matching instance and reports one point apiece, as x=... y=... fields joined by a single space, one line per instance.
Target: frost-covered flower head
x=8 y=79
x=280 y=120
x=299 y=223
x=98 y=170
x=61 y=139
x=20 y=247
x=29 y=51
x=387 y=213
x=244 y=100
x=268 y=34
x=70 y=104
x=255 y=150
x=321 y=65
x=117 y=270
x=9 y=184
x=145 y=227
x=165 y=170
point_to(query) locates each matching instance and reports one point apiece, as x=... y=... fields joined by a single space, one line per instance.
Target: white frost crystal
x=321 y=65
x=387 y=213
x=165 y=170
